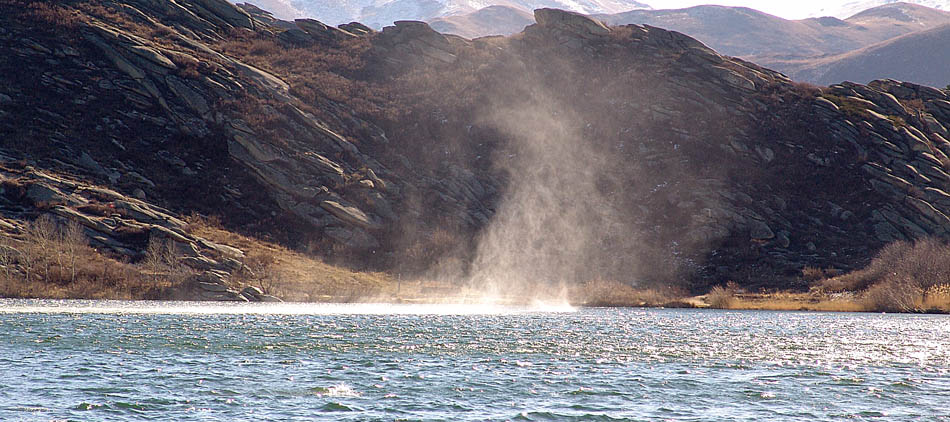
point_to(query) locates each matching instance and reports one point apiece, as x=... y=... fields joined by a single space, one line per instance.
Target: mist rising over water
x=548 y=230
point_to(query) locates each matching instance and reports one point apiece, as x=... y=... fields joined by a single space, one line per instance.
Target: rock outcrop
x=144 y=97
x=572 y=22
x=670 y=161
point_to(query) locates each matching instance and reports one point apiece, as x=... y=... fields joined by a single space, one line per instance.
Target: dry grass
x=900 y=278
x=291 y=275
x=792 y=301
x=315 y=74
x=806 y=89
x=53 y=260
x=51 y=13
x=613 y=293
x=937 y=297
x=814 y=274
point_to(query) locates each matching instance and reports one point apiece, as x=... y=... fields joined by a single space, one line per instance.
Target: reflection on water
x=234 y=308
x=118 y=361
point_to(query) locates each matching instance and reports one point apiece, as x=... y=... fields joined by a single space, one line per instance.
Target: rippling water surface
x=105 y=361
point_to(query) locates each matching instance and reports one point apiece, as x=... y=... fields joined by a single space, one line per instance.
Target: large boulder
x=228 y=12
x=570 y=22
x=322 y=32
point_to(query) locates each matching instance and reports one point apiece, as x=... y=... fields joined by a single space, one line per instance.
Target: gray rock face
x=414 y=41
x=571 y=22
x=349 y=214
x=228 y=12
x=321 y=32
x=45 y=196
x=354 y=238
x=758 y=230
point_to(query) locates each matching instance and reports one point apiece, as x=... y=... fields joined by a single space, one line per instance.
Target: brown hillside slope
x=921 y=57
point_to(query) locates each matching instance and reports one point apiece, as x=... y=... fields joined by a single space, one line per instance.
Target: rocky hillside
x=569 y=152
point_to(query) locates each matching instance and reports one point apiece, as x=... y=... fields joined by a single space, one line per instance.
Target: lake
x=120 y=361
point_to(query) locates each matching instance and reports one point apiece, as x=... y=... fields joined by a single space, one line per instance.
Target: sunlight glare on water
x=233 y=308
x=119 y=361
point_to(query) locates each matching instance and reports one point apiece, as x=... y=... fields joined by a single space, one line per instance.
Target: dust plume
x=549 y=229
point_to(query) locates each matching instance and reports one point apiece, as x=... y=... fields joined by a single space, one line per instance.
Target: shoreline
x=779 y=301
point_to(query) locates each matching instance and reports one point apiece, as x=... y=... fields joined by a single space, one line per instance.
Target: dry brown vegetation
x=722 y=297
x=292 y=275
x=316 y=73
x=795 y=301
x=613 y=293
x=50 y=13
x=53 y=260
x=903 y=277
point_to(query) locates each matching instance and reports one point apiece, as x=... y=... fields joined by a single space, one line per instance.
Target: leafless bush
x=722 y=297
x=52 y=250
x=898 y=277
x=262 y=270
x=893 y=296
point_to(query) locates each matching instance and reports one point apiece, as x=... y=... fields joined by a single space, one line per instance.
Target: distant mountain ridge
x=379 y=13
x=821 y=50
x=922 y=56
x=852 y=8
x=500 y=20
x=758 y=36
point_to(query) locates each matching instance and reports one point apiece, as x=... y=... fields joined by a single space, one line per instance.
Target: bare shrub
x=73 y=247
x=893 y=296
x=160 y=255
x=264 y=271
x=722 y=297
x=52 y=250
x=9 y=256
x=898 y=277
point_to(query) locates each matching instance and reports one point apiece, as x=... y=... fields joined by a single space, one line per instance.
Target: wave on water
x=339 y=390
x=292 y=308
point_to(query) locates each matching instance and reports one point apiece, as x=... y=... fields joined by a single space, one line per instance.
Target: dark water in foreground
x=117 y=361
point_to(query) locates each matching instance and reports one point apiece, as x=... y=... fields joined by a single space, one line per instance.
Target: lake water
x=118 y=361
